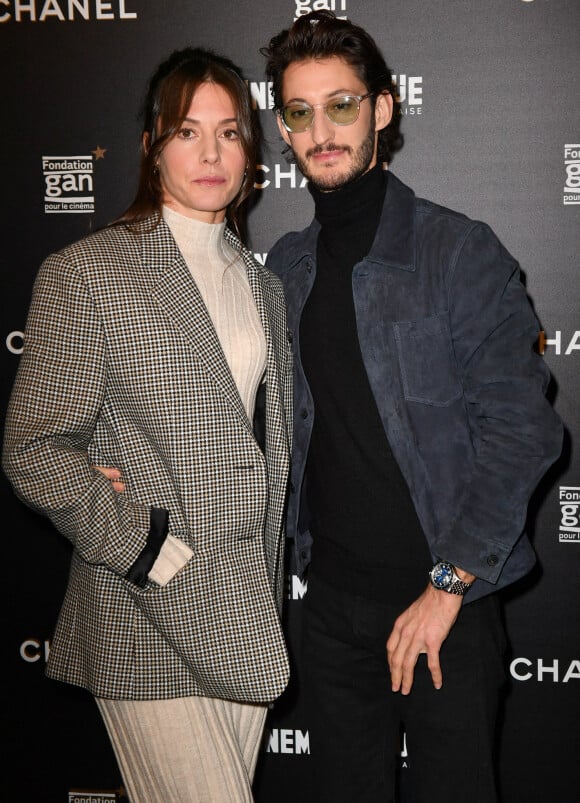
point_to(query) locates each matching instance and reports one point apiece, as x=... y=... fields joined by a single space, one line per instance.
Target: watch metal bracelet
x=458 y=587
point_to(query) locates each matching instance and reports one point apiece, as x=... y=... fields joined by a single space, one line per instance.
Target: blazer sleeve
x=52 y=414
x=514 y=430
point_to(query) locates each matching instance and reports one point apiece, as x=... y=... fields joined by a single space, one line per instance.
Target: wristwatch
x=444 y=577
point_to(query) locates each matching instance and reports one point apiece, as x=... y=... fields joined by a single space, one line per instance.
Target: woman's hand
x=114 y=475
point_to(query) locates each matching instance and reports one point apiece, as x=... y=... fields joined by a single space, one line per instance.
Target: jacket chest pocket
x=427 y=361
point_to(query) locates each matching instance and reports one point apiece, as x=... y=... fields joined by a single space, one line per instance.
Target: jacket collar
x=394 y=244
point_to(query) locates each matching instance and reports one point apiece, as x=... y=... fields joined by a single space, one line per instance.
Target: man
x=421 y=430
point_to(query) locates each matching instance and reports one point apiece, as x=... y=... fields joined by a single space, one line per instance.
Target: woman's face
x=202 y=167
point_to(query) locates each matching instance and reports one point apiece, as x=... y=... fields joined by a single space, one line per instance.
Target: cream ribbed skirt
x=185 y=750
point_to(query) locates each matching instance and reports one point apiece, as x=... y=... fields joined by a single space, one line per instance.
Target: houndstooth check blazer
x=122 y=367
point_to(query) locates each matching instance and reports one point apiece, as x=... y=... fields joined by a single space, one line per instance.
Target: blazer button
x=309 y=267
x=290 y=336
x=292 y=488
x=304 y=414
x=492 y=560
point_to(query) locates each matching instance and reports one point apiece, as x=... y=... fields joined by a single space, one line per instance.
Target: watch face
x=442 y=574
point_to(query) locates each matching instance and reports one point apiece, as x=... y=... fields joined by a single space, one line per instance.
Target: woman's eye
x=231 y=133
x=185 y=133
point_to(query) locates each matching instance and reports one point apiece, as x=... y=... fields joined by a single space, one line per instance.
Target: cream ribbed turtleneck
x=219 y=272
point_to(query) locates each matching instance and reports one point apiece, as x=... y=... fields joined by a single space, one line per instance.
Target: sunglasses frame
x=359 y=99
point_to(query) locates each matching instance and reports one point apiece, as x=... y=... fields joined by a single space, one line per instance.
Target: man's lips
x=326 y=154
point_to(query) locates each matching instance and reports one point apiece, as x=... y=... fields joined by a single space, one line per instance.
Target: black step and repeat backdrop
x=490 y=99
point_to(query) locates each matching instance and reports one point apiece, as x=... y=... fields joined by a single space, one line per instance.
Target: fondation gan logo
x=78 y=796
x=572 y=180
x=68 y=183
x=569 y=515
x=302 y=7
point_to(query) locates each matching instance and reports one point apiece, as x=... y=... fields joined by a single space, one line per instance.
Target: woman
x=147 y=346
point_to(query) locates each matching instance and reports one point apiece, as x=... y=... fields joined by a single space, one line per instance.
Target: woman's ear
x=146 y=142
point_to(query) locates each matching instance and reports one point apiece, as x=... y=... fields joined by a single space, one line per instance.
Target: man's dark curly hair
x=321 y=35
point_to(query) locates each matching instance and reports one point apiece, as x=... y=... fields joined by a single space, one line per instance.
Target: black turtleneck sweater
x=366 y=535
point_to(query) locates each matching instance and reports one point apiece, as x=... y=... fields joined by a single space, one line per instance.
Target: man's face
x=331 y=155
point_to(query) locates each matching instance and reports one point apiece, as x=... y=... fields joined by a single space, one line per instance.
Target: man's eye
x=299 y=112
x=342 y=104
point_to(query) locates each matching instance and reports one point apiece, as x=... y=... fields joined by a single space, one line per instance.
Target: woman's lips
x=210 y=181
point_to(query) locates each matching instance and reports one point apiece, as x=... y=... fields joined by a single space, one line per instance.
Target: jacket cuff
x=479 y=556
x=172 y=558
x=158 y=528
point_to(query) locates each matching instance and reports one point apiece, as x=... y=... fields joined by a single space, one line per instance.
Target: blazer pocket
x=427 y=361
x=219 y=616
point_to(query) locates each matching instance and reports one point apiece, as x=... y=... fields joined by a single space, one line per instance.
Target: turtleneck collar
x=350 y=204
x=191 y=225
x=197 y=239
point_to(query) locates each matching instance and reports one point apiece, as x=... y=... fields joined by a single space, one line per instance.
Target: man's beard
x=332 y=180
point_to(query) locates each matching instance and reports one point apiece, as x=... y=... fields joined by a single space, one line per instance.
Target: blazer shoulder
x=113 y=241
x=110 y=257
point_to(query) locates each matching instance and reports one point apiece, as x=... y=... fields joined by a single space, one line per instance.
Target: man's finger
x=435 y=668
x=408 y=675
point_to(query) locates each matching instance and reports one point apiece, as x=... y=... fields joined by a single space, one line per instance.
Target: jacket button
x=304 y=414
x=492 y=560
x=290 y=336
x=303 y=554
x=292 y=488
x=309 y=267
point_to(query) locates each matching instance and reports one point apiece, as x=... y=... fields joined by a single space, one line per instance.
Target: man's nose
x=322 y=129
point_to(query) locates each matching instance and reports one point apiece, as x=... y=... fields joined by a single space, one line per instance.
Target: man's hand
x=114 y=475
x=421 y=628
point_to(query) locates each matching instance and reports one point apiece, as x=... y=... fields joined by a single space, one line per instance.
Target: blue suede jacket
x=446 y=333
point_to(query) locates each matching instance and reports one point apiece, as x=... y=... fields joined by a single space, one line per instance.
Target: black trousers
x=355 y=721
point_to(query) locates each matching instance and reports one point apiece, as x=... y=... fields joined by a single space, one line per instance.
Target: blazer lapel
x=275 y=412
x=277 y=451
x=178 y=295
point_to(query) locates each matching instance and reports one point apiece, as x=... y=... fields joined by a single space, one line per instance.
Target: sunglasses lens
x=343 y=111
x=297 y=117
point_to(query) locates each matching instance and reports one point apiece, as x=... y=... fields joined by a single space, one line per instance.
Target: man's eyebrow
x=330 y=95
